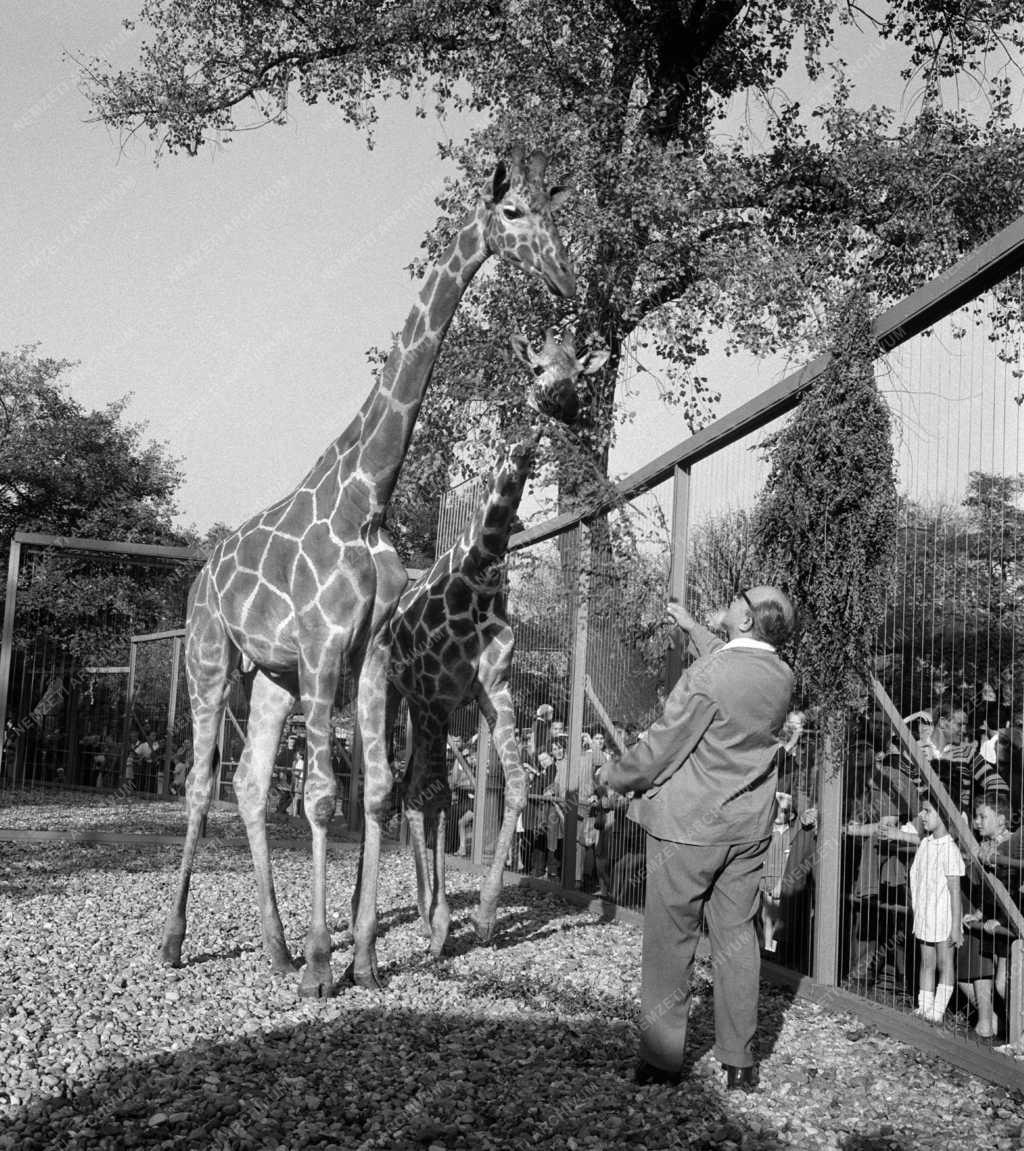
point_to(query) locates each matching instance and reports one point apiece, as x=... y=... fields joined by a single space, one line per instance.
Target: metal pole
x=485 y=797
x=7 y=635
x=172 y=708
x=577 y=789
x=681 y=491
x=126 y=743
x=828 y=891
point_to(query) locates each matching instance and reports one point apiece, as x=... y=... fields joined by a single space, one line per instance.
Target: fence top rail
x=114 y=547
x=975 y=273
x=174 y=633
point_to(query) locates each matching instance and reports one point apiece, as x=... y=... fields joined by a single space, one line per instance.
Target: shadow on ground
x=390 y=1079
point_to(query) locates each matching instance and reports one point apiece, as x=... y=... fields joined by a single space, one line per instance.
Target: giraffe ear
x=496 y=188
x=521 y=348
x=558 y=196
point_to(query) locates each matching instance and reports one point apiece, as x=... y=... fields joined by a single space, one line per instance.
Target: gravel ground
x=526 y=1043
x=47 y=809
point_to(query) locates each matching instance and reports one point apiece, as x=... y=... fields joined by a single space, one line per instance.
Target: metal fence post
x=485 y=796
x=677 y=561
x=828 y=889
x=7 y=638
x=577 y=790
x=126 y=735
x=172 y=711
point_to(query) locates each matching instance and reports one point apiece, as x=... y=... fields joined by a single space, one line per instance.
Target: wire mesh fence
x=941 y=728
x=69 y=714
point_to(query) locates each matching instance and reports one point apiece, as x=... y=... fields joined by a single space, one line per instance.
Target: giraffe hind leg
x=428 y=797
x=498 y=709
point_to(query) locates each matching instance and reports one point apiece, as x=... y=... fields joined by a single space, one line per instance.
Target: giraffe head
x=556 y=369
x=519 y=224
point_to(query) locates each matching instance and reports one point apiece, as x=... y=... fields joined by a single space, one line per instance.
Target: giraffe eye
x=511 y=213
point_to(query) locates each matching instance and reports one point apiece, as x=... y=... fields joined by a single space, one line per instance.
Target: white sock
x=942 y=996
x=925 y=1003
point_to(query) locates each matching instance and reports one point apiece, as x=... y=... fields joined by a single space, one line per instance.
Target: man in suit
x=707 y=771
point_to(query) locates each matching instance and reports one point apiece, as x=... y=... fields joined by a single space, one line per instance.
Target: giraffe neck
x=366 y=459
x=485 y=541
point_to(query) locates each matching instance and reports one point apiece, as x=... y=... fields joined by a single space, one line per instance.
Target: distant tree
x=68 y=471
x=953 y=623
x=71 y=472
x=723 y=560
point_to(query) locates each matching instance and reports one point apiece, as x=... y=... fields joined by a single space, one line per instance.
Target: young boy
x=787 y=865
x=982 y=962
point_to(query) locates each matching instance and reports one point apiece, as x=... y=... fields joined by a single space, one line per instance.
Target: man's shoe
x=647 y=1074
x=740 y=1078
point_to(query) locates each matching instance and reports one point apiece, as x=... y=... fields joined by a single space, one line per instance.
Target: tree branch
x=674 y=286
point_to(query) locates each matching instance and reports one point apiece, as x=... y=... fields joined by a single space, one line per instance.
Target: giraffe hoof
x=484 y=931
x=317 y=990
x=369 y=980
x=170 y=951
x=283 y=965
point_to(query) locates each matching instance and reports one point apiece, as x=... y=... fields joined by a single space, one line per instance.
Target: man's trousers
x=688 y=884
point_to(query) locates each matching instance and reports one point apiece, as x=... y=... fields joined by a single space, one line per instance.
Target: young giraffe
x=299 y=589
x=449 y=641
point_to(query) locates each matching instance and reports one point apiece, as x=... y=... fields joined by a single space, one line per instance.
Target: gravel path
x=527 y=1043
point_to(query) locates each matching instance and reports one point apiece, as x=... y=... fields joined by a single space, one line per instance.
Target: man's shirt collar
x=744 y=641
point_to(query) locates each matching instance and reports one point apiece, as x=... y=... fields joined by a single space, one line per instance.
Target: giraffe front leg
x=497 y=707
x=440 y=912
x=428 y=797
x=377 y=784
x=269 y=706
x=418 y=835
x=319 y=799
x=426 y=793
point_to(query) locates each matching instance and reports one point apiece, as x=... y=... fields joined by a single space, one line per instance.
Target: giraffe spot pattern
x=294 y=589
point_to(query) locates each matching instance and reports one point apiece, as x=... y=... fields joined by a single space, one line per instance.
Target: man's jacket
x=707 y=767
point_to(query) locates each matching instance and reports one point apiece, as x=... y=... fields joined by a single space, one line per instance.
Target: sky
x=234 y=294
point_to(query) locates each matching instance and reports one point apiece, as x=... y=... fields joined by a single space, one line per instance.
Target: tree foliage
x=677 y=230
x=723 y=559
x=953 y=624
x=67 y=471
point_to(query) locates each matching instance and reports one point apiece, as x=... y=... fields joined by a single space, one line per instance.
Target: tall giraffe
x=299 y=589
x=449 y=641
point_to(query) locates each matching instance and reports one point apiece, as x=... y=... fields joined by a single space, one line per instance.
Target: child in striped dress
x=935 y=878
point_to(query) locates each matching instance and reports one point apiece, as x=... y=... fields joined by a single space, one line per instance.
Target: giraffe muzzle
x=561 y=282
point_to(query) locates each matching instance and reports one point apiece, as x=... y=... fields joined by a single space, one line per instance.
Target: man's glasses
x=746 y=600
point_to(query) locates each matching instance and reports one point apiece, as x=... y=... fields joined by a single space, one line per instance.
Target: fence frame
x=67 y=544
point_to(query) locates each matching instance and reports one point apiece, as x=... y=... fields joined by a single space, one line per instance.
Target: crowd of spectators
x=934 y=860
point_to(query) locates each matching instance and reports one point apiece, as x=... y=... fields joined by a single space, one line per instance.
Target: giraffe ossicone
x=301 y=588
